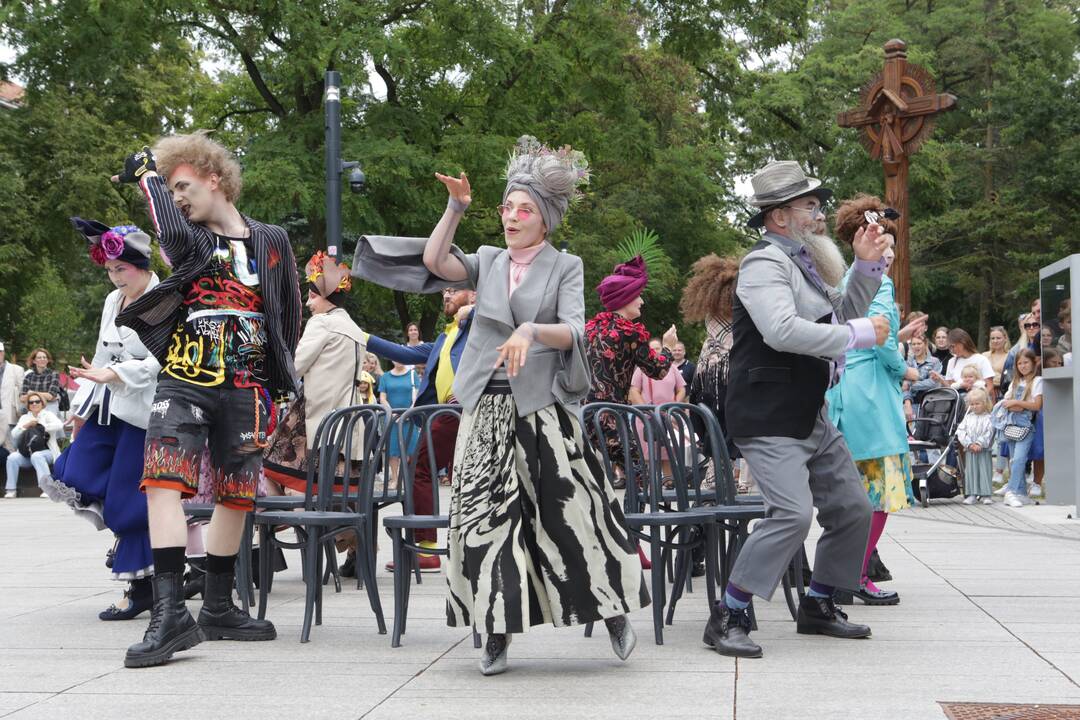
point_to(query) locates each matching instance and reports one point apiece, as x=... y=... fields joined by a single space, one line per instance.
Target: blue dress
x=400 y=392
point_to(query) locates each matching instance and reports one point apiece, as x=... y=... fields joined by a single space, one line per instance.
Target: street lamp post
x=334 y=165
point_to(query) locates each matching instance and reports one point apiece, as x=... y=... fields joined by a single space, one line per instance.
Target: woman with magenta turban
x=616 y=343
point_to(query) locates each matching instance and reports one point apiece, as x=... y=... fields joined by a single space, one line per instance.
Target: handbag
x=1016 y=433
x=33 y=440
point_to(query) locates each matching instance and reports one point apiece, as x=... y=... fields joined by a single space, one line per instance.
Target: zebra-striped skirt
x=536 y=534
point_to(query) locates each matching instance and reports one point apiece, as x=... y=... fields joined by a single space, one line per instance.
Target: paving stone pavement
x=990 y=612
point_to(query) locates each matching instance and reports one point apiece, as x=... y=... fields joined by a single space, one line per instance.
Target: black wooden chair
x=402 y=528
x=333 y=506
x=667 y=524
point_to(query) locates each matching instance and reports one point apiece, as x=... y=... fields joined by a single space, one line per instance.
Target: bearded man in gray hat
x=791 y=330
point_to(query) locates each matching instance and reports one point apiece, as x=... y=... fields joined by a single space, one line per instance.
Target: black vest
x=771 y=393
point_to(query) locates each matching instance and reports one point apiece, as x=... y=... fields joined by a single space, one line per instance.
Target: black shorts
x=185 y=419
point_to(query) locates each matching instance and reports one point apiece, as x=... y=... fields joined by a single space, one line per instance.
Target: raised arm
x=174 y=231
x=404 y=354
x=437 y=257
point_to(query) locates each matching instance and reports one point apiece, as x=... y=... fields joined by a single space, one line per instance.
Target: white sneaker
x=1003 y=490
x=1013 y=500
x=998 y=478
x=10 y=495
x=970 y=500
x=988 y=500
x=1035 y=490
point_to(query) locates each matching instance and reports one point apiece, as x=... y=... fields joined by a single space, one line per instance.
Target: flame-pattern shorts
x=185 y=419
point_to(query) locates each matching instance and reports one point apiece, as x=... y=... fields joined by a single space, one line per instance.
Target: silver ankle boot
x=494 y=658
x=623 y=637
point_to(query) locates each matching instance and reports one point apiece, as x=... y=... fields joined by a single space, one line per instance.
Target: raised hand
x=913 y=328
x=458 y=187
x=671 y=337
x=136 y=165
x=870 y=242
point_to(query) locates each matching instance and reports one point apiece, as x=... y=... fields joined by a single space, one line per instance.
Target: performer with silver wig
x=536 y=534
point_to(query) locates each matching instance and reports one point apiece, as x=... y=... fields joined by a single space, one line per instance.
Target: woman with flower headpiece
x=617 y=343
x=536 y=535
x=98 y=475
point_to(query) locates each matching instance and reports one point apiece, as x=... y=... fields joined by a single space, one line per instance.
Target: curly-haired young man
x=224 y=327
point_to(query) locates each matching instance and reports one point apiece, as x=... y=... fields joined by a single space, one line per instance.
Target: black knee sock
x=168 y=559
x=220 y=564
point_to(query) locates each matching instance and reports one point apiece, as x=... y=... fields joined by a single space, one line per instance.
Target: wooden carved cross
x=896 y=115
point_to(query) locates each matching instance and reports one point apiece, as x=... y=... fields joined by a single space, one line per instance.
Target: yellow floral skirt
x=887 y=481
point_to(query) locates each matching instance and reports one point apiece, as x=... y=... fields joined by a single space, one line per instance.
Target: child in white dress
x=976 y=436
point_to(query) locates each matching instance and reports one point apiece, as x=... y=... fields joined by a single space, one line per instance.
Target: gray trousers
x=795 y=476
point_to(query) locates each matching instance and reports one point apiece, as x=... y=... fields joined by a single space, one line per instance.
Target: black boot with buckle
x=171 y=629
x=728 y=632
x=220 y=619
x=820 y=616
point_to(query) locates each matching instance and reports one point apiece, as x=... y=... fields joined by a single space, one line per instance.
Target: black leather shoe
x=728 y=633
x=876 y=570
x=171 y=628
x=820 y=616
x=220 y=619
x=140 y=598
x=348 y=568
x=876 y=597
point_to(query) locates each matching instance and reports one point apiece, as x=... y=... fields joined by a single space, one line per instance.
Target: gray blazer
x=785 y=301
x=552 y=292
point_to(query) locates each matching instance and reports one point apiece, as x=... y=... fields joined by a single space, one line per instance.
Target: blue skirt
x=98 y=476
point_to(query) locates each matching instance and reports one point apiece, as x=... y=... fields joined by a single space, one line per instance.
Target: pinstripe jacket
x=189 y=247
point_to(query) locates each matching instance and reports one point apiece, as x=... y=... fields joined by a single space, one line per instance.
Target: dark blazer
x=189 y=247
x=427 y=354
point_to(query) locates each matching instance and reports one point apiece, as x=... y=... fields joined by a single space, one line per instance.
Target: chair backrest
x=939 y=414
x=352 y=489
x=625 y=421
x=386 y=491
x=418 y=422
x=692 y=436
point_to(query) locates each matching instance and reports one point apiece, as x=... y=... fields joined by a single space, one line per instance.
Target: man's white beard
x=826 y=256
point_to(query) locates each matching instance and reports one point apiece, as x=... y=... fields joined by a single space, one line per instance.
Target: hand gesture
x=909 y=412
x=870 y=243
x=462 y=313
x=136 y=165
x=975 y=447
x=913 y=328
x=93 y=374
x=881 y=329
x=670 y=338
x=936 y=377
x=31 y=421
x=458 y=187
x=514 y=350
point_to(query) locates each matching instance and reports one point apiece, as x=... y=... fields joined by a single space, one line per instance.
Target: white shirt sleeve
x=1036 y=387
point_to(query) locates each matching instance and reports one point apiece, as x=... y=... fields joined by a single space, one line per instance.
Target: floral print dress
x=615 y=346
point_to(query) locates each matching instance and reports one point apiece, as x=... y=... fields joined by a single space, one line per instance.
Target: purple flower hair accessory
x=112 y=244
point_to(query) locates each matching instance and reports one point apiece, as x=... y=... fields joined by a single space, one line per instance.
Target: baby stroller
x=940 y=412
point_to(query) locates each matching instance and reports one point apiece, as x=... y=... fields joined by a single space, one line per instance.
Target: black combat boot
x=171 y=628
x=220 y=619
x=728 y=632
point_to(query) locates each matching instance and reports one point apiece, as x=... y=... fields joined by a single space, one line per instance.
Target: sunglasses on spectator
x=1031 y=325
x=34 y=402
x=521 y=214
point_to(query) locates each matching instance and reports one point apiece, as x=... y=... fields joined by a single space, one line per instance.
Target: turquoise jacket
x=867 y=405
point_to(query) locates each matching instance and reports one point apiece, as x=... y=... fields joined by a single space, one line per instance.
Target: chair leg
x=401 y=576
x=657 y=576
x=477 y=643
x=366 y=567
x=712 y=561
x=243 y=566
x=266 y=542
x=682 y=565
x=319 y=557
x=311 y=579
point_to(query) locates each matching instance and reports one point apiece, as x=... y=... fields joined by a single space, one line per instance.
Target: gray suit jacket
x=552 y=292
x=785 y=301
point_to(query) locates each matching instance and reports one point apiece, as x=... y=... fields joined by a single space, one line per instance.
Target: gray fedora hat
x=777 y=183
